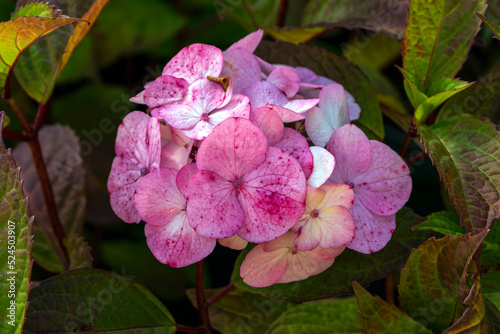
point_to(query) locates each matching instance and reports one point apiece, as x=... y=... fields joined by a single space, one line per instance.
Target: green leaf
x=18 y=34
x=438 y=37
x=413 y=88
x=97 y=300
x=337 y=280
x=15 y=248
x=39 y=68
x=427 y=106
x=61 y=151
x=250 y=14
x=376 y=51
x=243 y=312
x=384 y=16
x=336 y=68
x=377 y=316
x=433 y=280
x=466 y=151
x=493 y=27
x=475 y=318
x=491 y=290
x=444 y=222
x=482 y=98
x=296 y=35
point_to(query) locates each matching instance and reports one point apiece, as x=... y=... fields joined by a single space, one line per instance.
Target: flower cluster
x=213 y=160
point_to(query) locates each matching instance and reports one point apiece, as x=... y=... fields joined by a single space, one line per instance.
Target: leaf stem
x=219 y=295
x=389 y=289
x=14 y=135
x=200 y=299
x=42 y=110
x=281 y=16
x=20 y=116
x=187 y=329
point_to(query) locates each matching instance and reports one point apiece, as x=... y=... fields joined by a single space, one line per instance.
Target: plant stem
x=42 y=110
x=219 y=295
x=14 y=135
x=50 y=203
x=389 y=289
x=281 y=16
x=200 y=299
x=31 y=135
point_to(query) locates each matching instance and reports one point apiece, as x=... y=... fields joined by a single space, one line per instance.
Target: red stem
x=221 y=294
x=187 y=329
x=280 y=17
x=14 y=135
x=200 y=298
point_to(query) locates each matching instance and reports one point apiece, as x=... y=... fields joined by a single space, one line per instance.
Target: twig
x=220 y=294
x=187 y=329
x=200 y=298
x=281 y=16
x=14 y=135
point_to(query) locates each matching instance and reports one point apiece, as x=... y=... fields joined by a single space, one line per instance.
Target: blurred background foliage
x=129 y=45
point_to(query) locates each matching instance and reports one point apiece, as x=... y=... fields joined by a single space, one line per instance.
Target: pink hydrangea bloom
x=160 y=203
x=244 y=186
x=327 y=221
x=279 y=261
x=380 y=180
x=137 y=147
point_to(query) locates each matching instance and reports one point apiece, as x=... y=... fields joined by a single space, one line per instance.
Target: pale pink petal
x=301 y=105
x=305 y=74
x=157 y=198
x=195 y=61
x=265 y=67
x=205 y=95
x=268 y=120
x=234 y=147
x=337 y=194
x=184 y=175
x=260 y=268
x=386 y=186
x=286 y=79
x=354 y=108
x=333 y=102
x=297 y=146
x=263 y=92
x=242 y=67
x=180 y=116
x=234 y=242
x=303 y=265
x=309 y=233
x=139 y=98
x=318 y=127
x=165 y=90
x=272 y=197
x=213 y=208
x=372 y=232
x=286 y=115
x=179 y=138
x=176 y=243
x=249 y=42
x=200 y=131
x=309 y=91
x=352 y=151
x=324 y=163
x=121 y=186
x=239 y=106
x=173 y=156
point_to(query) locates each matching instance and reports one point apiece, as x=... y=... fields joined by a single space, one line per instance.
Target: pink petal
x=165 y=90
x=239 y=106
x=157 y=198
x=173 y=156
x=234 y=242
x=337 y=194
x=200 y=131
x=195 y=61
x=386 y=186
x=297 y=146
x=263 y=92
x=179 y=138
x=139 y=98
x=184 y=175
x=354 y=108
x=286 y=115
x=268 y=120
x=213 y=208
x=372 y=232
x=301 y=105
x=352 y=151
x=286 y=79
x=176 y=243
x=272 y=197
x=265 y=67
x=305 y=74
x=260 y=268
x=234 y=147
x=249 y=42
x=323 y=165
x=318 y=127
x=180 y=116
x=121 y=186
x=242 y=67
x=333 y=102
